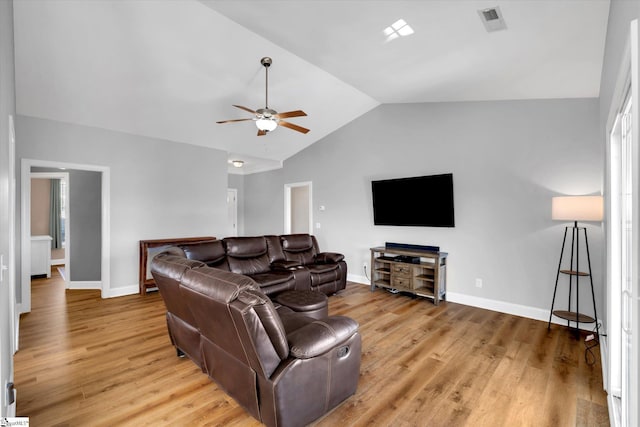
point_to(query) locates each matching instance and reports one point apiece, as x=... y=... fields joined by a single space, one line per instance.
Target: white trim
x=55 y=262
x=122 y=291
x=233 y=227
x=489 y=304
x=84 y=285
x=362 y=280
x=25 y=227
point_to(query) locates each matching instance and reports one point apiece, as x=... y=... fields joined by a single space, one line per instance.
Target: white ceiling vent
x=492 y=19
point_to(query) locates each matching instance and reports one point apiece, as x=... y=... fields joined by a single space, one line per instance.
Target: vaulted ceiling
x=170 y=69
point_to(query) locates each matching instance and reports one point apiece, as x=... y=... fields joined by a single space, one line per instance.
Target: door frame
x=287 y=204
x=9 y=329
x=25 y=224
x=234 y=193
x=625 y=410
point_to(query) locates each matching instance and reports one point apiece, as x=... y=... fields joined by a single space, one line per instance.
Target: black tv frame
x=418 y=201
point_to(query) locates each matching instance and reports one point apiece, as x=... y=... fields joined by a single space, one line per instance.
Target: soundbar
x=409 y=247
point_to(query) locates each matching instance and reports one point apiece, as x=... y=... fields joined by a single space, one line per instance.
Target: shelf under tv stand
x=426 y=278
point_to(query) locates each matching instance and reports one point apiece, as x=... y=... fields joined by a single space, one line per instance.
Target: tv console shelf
x=422 y=273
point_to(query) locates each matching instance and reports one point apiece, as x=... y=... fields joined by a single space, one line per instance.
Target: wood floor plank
x=87 y=361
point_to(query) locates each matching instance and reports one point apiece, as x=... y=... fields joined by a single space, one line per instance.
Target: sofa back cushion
x=274 y=248
x=247 y=255
x=237 y=317
x=212 y=253
x=299 y=247
x=167 y=271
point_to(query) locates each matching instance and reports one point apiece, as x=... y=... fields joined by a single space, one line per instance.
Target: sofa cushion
x=321 y=336
x=321 y=268
x=211 y=253
x=247 y=255
x=227 y=285
x=298 y=247
x=271 y=278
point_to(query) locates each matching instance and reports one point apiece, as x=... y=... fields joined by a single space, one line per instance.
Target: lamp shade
x=266 y=124
x=577 y=208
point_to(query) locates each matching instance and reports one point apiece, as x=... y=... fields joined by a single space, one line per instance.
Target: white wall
x=159 y=189
x=507 y=158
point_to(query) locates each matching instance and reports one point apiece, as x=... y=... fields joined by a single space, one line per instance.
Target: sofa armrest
x=329 y=257
x=285 y=265
x=320 y=336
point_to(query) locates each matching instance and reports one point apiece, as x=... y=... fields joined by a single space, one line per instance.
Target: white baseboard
x=493 y=305
x=362 y=280
x=511 y=308
x=84 y=285
x=501 y=306
x=121 y=291
x=57 y=262
x=19 y=308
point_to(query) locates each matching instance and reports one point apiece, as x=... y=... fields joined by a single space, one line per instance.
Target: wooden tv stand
x=426 y=278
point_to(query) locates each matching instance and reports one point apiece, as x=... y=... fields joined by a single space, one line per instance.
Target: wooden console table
x=145 y=280
x=426 y=278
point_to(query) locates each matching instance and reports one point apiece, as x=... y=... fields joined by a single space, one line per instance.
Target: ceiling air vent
x=492 y=19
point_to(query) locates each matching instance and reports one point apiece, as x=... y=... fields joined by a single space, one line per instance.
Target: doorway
x=102 y=230
x=41 y=193
x=298 y=208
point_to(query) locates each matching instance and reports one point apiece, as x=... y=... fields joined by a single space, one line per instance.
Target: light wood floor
x=84 y=361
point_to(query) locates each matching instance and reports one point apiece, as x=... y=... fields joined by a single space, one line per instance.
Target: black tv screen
x=421 y=201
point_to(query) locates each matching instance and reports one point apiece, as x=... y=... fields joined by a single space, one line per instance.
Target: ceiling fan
x=267 y=119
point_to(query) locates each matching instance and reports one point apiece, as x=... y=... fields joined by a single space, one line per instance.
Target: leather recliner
x=276 y=263
x=183 y=330
x=328 y=270
x=284 y=368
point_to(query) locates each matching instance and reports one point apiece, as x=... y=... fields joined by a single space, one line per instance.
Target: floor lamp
x=575 y=208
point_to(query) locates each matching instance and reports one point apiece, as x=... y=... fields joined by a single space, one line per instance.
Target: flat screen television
x=421 y=201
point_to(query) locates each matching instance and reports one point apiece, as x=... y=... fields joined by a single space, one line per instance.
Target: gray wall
x=159 y=189
x=85 y=246
x=507 y=158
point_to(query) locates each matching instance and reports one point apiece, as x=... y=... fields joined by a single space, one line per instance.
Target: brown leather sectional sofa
x=283 y=367
x=276 y=263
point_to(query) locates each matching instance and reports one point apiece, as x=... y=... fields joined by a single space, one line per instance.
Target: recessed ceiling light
x=398 y=29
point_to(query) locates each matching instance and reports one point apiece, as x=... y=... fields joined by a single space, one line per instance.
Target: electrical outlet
x=478 y=283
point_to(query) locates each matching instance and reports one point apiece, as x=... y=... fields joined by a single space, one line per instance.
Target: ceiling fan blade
x=234 y=120
x=296 y=113
x=262 y=132
x=292 y=126
x=245 y=109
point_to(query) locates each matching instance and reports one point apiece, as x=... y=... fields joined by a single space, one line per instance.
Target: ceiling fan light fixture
x=266 y=124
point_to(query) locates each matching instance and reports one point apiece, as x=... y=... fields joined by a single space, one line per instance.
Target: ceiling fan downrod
x=266 y=62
